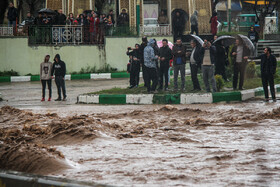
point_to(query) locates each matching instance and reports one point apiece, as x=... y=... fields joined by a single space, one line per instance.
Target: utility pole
x=229 y=15
x=138 y=16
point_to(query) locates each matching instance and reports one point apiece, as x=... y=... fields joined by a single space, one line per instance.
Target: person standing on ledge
x=59 y=70
x=268 y=70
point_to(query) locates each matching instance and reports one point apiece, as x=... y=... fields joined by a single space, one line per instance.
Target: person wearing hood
x=142 y=47
x=46 y=77
x=179 y=63
x=59 y=70
x=165 y=55
x=194 y=23
x=150 y=64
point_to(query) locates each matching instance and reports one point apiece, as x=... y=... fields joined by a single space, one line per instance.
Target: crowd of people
x=211 y=59
x=96 y=25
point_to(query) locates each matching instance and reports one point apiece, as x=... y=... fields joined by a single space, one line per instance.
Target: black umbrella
x=227 y=40
x=182 y=13
x=247 y=42
x=46 y=11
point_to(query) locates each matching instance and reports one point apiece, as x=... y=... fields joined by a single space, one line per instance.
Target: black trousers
x=163 y=74
x=268 y=78
x=194 y=71
x=60 y=84
x=178 y=33
x=151 y=76
x=44 y=82
x=145 y=76
x=239 y=68
x=220 y=69
x=194 y=28
x=134 y=74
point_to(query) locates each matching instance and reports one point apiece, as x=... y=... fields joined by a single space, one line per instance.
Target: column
x=169 y=13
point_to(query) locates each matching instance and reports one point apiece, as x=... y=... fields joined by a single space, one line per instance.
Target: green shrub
x=251 y=70
x=9 y=73
x=220 y=82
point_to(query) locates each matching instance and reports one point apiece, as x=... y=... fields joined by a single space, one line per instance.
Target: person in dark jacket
x=59 y=70
x=12 y=15
x=239 y=54
x=268 y=70
x=111 y=14
x=208 y=53
x=178 y=25
x=221 y=60
x=165 y=55
x=179 y=63
x=253 y=35
x=135 y=58
x=123 y=18
x=195 y=63
x=60 y=18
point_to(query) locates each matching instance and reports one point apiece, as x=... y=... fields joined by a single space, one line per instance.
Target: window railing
x=155 y=29
x=6 y=31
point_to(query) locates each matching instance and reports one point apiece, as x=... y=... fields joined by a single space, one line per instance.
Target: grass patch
x=248 y=84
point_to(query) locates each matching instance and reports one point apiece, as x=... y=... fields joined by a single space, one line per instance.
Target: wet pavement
x=234 y=144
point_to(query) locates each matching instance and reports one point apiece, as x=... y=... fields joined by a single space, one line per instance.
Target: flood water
x=222 y=144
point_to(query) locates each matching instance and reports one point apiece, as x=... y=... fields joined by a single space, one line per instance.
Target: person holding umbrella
x=239 y=54
x=268 y=70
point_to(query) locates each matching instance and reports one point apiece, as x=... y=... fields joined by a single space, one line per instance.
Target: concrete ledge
x=196 y=98
x=12 y=178
x=189 y=98
x=100 y=76
x=140 y=99
x=20 y=78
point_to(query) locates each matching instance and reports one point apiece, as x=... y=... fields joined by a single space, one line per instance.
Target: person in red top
x=214 y=24
x=94 y=25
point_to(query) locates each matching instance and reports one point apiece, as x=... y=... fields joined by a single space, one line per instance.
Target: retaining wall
x=17 y=55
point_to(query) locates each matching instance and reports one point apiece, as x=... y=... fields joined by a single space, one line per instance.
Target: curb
x=94 y=76
x=190 y=98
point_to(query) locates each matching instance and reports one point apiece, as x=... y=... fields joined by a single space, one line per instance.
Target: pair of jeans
x=268 y=78
x=239 y=68
x=194 y=71
x=208 y=75
x=182 y=70
x=151 y=76
x=60 y=84
x=44 y=82
x=164 y=68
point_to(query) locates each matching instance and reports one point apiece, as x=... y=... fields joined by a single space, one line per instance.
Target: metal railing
x=155 y=30
x=6 y=31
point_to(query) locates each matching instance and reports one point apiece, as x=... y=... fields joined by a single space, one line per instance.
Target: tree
x=262 y=11
x=3 y=6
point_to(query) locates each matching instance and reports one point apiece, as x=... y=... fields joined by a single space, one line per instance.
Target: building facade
x=188 y=6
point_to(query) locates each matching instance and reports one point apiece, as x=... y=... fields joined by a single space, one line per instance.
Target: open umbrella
x=247 y=42
x=197 y=38
x=227 y=40
x=170 y=44
x=46 y=11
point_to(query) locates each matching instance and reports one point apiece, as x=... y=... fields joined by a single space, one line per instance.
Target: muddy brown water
x=222 y=144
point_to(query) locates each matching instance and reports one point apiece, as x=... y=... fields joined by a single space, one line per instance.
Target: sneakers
x=64 y=99
x=58 y=99
x=49 y=99
x=43 y=99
